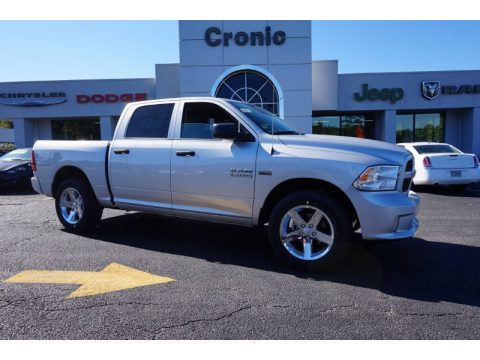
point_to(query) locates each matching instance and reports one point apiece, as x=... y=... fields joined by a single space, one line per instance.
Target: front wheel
x=310 y=230
x=77 y=208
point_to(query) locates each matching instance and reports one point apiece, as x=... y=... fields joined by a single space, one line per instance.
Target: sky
x=62 y=50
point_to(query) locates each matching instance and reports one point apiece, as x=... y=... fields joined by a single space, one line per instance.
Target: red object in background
x=359 y=132
x=111 y=98
x=426 y=162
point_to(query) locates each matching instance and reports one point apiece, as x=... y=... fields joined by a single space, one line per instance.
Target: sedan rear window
x=435 y=149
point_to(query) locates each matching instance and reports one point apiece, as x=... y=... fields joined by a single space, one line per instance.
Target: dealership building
x=267 y=63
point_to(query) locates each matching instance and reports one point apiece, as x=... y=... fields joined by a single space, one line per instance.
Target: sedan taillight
x=34 y=163
x=426 y=162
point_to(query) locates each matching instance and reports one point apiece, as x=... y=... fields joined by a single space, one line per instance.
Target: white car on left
x=443 y=164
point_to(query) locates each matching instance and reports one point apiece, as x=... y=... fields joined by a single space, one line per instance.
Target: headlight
x=378 y=178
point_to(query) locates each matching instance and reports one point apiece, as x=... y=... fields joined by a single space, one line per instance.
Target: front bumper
x=13 y=179
x=386 y=215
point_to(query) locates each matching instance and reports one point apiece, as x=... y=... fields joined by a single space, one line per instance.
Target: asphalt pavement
x=229 y=285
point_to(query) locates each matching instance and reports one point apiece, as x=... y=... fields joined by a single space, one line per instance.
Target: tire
x=75 y=196
x=319 y=238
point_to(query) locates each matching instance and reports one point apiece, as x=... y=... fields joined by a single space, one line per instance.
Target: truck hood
x=389 y=152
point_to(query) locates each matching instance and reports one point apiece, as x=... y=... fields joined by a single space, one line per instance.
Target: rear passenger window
x=150 y=121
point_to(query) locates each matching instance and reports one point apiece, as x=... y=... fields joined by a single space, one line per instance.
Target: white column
x=107 y=127
x=476 y=131
x=24 y=132
x=386 y=126
x=471 y=132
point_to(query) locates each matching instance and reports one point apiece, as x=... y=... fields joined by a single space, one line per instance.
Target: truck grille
x=409 y=166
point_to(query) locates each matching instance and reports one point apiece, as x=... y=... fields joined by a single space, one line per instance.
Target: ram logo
x=430 y=89
x=248 y=173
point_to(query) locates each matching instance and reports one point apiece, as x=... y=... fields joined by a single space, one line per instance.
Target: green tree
x=6 y=124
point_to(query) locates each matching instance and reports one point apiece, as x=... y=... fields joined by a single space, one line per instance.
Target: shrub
x=6 y=147
x=6 y=124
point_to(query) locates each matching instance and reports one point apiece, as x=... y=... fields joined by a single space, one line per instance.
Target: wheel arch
x=293 y=185
x=68 y=172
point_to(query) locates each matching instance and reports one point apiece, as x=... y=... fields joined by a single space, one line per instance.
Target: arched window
x=251 y=87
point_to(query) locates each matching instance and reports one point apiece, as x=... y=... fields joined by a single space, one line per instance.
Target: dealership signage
x=32 y=98
x=431 y=89
x=111 y=98
x=373 y=94
x=214 y=37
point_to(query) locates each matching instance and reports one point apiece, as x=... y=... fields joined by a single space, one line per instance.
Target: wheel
x=310 y=230
x=76 y=206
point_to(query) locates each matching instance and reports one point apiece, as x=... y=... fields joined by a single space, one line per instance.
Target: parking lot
x=228 y=284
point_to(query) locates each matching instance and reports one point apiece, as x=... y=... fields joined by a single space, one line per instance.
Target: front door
x=211 y=175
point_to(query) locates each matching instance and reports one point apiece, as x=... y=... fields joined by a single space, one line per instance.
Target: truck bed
x=88 y=156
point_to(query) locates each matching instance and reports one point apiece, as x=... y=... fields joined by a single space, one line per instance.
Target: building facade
x=267 y=63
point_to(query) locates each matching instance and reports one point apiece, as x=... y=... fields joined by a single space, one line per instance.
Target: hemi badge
x=265 y=172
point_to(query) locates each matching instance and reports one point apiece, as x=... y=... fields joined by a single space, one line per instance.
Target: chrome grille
x=409 y=166
x=408 y=174
x=406 y=184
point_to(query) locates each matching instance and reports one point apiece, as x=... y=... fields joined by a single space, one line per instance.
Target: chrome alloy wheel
x=71 y=205
x=307 y=232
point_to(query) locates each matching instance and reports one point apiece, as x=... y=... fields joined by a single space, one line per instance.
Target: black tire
x=334 y=216
x=91 y=210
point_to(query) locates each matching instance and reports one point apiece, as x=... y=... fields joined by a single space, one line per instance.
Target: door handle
x=121 y=151
x=186 y=153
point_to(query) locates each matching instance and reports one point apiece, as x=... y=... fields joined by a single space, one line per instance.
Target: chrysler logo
x=32 y=99
x=430 y=89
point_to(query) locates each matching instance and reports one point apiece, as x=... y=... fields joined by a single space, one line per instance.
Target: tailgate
x=451 y=161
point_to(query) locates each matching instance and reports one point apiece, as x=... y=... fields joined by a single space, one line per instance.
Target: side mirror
x=230 y=131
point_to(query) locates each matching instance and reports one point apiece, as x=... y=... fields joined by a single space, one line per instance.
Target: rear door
x=211 y=175
x=139 y=163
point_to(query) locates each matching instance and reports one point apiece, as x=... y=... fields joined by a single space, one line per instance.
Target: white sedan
x=442 y=164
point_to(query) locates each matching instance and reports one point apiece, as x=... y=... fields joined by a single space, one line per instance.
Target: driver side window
x=198 y=120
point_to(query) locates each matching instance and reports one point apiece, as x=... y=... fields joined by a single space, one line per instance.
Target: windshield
x=436 y=149
x=265 y=120
x=19 y=154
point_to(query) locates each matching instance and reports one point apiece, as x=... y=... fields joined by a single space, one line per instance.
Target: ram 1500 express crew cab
x=226 y=161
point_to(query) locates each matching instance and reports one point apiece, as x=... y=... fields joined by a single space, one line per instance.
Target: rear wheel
x=77 y=208
x=310 y=230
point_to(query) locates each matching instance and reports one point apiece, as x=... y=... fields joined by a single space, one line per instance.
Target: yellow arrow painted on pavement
x=114 y=277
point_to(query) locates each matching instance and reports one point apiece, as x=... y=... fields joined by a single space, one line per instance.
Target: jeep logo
x=393 y=95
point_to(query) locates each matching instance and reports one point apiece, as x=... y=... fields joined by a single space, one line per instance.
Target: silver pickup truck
x=226 y=161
